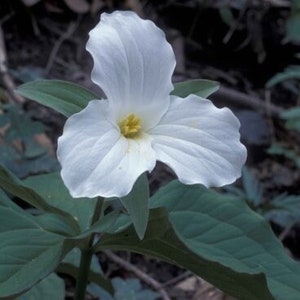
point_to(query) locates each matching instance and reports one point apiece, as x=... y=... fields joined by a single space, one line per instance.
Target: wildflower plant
x=106 y=148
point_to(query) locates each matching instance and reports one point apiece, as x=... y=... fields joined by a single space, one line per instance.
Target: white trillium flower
x=110 y=143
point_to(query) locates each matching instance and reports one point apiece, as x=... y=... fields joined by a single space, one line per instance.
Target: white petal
x=133 y=64
x=200 y=142
x=96 y=159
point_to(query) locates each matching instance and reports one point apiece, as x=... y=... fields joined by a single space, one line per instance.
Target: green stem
x=82 y=279
x=86 y=257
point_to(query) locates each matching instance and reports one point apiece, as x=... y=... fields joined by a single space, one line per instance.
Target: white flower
x=105 y=147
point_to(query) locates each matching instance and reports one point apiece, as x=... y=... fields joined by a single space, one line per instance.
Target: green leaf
x=13 y=185
x=235 y=192
x=293 y=26
x=162 y=242
x=50 y=288
x=6 y=201
x=199 y=87
x=293 y=22
x=27 y=73
x=292 y=113
x=65 y=97
x=21 y=125
x=281 y=149
x=284 y=210
x=28 y=253
x=291 y=72
x=108 y=223
x=50 y=222
x=33 y=158
x=137 y=205
x=56 y=224
x=23 y=166
x=226 y=15
x=121 y=223
x=292 y=117
x=217 y=237
x=52 y=188
x=252 y=187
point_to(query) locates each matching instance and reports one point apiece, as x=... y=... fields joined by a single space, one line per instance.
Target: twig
x=6 y=18
x=218 y=73
x=4 y=75
x=225 y=94
x=35 y=26
x=70 y=30
x=269 y=115
x=194 y=23
x=285 y=232
x=235 y=24
x=279 y=3
x=252 y=3
x=177 y=278
x=143 y=276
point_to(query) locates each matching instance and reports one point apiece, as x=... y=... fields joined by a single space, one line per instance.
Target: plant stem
x=82 y=279
x=86 y=257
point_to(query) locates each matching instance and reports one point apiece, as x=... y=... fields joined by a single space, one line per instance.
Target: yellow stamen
x=130 y=126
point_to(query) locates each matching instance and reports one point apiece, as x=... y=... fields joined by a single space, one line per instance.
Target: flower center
x=130 y=126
